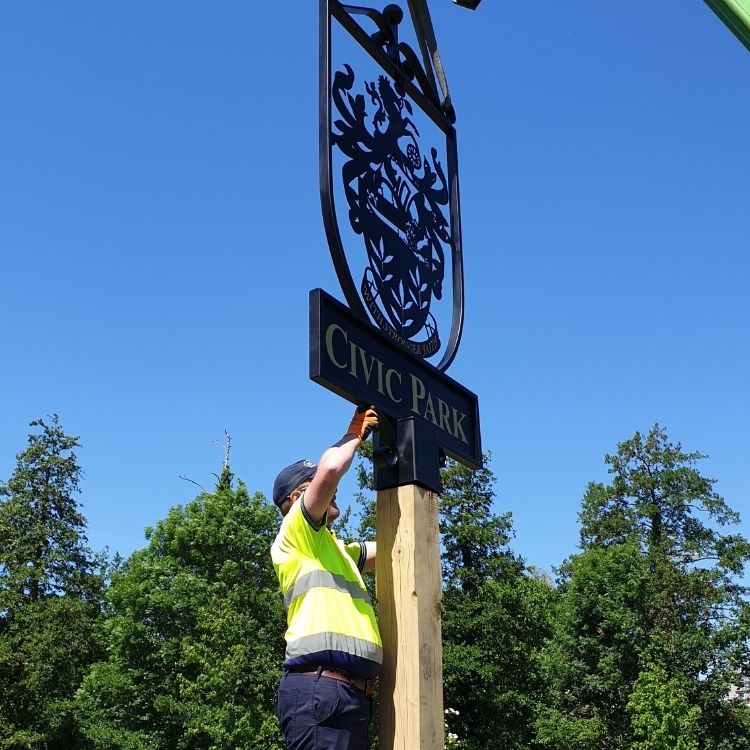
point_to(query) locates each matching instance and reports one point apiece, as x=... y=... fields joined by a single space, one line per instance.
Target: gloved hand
x=364 y=421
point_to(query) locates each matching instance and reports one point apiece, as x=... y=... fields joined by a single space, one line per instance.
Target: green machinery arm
x=736 y=15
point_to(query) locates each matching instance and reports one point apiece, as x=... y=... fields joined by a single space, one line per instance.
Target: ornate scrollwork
x=396 y=193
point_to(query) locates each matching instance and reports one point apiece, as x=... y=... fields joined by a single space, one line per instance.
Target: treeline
x=634 y=646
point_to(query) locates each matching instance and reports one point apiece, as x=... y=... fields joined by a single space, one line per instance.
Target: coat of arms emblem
x=389 y=184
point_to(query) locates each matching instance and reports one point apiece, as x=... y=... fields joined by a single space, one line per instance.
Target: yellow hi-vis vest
x=330 y=618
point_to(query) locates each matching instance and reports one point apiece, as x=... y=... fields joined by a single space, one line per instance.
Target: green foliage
x=496 y=612
x=496 y=615
x=492 y=634
x=474 y=539
x=661 y=716
x=658 y=497
x=592 y=660
x=565 y=731
x=51 y=590
x=47 y=647
x=634 y=650
x=654 y=588
x=42 y=533
x=195 y=634
x=364 y=494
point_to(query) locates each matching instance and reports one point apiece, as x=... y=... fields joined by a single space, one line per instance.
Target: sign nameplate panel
x=354 y=360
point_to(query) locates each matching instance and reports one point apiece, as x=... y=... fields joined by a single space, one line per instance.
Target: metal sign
x=355 y=360
x=389 y=182
x=390 y=201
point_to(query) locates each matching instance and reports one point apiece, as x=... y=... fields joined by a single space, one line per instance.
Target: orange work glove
x=364 y=421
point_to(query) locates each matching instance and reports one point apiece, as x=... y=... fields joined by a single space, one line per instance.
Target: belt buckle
x=349 y=678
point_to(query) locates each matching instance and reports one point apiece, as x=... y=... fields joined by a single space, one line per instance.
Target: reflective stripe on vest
x=323 y=579
x=310 y=644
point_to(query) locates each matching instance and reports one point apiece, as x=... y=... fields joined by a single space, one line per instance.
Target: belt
x=366 y=686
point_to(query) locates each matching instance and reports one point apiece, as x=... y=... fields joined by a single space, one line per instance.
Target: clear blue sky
x=160 y=230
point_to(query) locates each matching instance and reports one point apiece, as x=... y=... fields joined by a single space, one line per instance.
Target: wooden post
x=409 y=592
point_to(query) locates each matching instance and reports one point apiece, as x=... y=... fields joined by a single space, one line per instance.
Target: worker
x=333 y=645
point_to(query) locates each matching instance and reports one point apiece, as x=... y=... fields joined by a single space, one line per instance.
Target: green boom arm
x=736 y=15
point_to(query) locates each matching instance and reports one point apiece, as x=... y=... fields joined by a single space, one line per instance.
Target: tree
x=592 y=659
x=474 y=539
x=496 y=612
x=496 y=615
x=195 y=633
x=43 y=548
x=654 y=588
x=51 y=593
x=661 y=715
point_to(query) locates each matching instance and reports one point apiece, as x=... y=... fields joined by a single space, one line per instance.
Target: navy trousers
x=319 y=713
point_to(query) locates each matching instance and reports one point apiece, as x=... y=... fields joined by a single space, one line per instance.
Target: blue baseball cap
x=292 y=477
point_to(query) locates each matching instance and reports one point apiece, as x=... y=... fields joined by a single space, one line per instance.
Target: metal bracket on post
x=407 y=452
x=384 y=448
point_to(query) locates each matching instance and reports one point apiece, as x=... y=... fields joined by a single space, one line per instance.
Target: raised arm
x=335 y=462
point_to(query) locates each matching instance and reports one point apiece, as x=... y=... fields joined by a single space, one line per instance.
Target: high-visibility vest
x=330 y=619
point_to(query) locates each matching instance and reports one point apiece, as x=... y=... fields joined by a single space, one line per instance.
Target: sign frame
x=402 y=65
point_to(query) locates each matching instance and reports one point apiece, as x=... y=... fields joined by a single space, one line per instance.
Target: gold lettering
x=367 y=370
x=458 y=431
x=388 y=388
x=333 y=328
x=353 y=359
x=445 y=415
x=380 y=377
x=429 y=412
x=418 y=392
